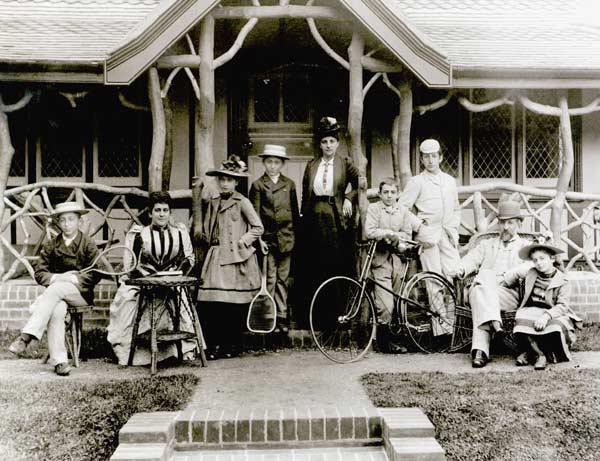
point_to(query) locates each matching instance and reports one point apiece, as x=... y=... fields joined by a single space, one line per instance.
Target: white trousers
x=48 y=312
x=487 y=300
x=440 y=258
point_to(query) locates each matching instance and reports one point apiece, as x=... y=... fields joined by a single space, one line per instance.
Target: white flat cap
x=429 y=146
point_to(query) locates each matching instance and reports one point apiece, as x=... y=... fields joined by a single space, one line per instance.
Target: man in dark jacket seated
x=57 y=269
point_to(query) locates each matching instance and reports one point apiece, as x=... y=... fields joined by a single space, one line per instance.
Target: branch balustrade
x=30 y=207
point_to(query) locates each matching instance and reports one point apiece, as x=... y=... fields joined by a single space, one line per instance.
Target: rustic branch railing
x=30 y=207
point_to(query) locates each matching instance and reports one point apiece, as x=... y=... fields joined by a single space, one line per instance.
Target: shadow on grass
x=551 y=415
x=80 y=421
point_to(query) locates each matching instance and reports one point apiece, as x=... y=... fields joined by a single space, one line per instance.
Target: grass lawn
x=70 y=420
x=529 y=415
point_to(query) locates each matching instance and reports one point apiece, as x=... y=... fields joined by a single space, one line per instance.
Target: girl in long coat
x=160 y=246
x=544 y=322
x=230 y=275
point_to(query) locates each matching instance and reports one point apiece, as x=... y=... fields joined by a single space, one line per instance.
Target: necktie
x=325 y=177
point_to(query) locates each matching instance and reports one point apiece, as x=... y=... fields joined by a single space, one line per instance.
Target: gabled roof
x=458 y=42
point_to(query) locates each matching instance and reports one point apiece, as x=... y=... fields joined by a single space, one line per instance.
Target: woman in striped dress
x=160 y=246
x=544 y=322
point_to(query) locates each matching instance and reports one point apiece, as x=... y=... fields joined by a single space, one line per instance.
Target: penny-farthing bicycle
x=343 y=318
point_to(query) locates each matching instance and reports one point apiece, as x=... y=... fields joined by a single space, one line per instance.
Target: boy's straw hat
x=68 y=207
x=274 y=150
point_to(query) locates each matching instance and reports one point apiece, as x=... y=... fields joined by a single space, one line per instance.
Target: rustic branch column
x=566 y=170
x=155 y=167
x=167 y=165
x=355 y=115
x=205 y=115
x=404 y=125
x=7 y=151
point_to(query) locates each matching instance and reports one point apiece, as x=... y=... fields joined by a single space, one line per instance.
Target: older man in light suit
x=434 y=196
x=491 y=258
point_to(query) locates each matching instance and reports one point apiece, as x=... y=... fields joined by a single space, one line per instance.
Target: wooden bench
x=463 y=322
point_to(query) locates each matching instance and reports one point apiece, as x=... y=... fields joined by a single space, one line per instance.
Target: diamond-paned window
x=281 y=99
x=266 y=100
x=119 y=144
x=443 y=125
x=18 y=134
x=492 y=139
x=61 y=153
x=542 y=140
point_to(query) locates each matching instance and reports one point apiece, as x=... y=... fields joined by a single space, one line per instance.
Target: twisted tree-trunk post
x=355 y=115
x=167 y=165
x=155 y=166
x=565 y=173
x=404 y=125
x=7 y=151
x=205 y=115
x=200 y=243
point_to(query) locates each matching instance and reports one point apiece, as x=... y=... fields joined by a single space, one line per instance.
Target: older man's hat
x=328 y=126
x=525 y=252
x=429 y=146
x=509 y=209
x=274 y=150
x=68 y=207
x=233 y=167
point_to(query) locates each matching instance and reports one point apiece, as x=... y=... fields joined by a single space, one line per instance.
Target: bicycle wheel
x=428 y=311
x=342 y=319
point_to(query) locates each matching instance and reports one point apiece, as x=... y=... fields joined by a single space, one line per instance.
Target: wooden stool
x=73 y=331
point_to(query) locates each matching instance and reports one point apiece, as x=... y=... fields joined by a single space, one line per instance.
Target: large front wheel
x=342 y=319
x=428 y=311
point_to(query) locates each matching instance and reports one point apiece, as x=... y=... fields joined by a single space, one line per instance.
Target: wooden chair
x=463 y=323
x=73 y=332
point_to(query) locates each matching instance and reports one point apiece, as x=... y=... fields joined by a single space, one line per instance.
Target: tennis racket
x=102 y=265
x=262 y=311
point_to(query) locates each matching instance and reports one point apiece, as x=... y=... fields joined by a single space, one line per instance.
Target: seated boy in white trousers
x=57 y=269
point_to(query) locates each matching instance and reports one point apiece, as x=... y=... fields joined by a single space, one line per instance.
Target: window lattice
x=266 y=100
x=295 y=100
x=492 y=140
x=118 y=146
x=62 y=154
x=17 y=135
x=542 y=142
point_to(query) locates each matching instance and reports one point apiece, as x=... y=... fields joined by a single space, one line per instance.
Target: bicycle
x=343 y=318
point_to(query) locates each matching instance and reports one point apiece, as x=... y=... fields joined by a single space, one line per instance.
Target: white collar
x=328 y=162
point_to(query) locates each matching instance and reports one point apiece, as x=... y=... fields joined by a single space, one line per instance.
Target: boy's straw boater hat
x=509 y=209
x=273 y=150
x=232 y=167
x=68 y=207
x=525 y=252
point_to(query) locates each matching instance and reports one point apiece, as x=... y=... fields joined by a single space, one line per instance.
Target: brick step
x=414 y=449
x=308 y=454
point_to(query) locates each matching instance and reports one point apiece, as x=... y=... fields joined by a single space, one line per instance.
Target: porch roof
x=492 y=41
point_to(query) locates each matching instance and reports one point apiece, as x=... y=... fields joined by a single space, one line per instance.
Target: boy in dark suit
x=273 y=195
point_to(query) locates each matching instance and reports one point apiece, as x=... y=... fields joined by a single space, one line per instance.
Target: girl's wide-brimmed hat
x=68 y=207
x=233 y=167
x=525 y=252
x=328 y=126
x=274 y=150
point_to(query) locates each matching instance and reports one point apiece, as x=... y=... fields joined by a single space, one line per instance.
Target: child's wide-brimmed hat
x=233 y=167
x=328 y=126
x=68 y=207
x=509 y=209
x=525 y=252
x=274 y=150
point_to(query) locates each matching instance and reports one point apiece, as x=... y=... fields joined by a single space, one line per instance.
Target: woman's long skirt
x=123 y=311
x=554 y=340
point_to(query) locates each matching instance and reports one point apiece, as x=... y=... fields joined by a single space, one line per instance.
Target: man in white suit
x=434 y=196
x=491 y=258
